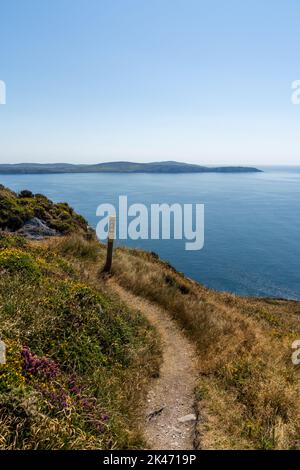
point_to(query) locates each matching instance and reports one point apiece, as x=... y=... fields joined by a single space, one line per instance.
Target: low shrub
x=15 y=260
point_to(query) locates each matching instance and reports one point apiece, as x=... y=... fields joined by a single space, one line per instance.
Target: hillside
x=74 y=337
x=71 y=346
x=17 y=209
x=119 y=167
x=248 y=391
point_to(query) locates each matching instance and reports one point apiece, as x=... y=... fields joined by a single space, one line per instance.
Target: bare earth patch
x=169 y=417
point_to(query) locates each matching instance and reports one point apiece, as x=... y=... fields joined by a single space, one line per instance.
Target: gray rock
x=37 y=229
x=187 y=418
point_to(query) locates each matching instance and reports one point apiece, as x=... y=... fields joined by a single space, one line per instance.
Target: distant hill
x=120 y=167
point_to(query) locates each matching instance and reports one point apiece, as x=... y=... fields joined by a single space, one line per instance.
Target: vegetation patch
x=16 y=260
x=71 y=347
x=18 y=208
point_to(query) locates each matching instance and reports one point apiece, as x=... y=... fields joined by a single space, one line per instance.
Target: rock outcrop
x=37 y=229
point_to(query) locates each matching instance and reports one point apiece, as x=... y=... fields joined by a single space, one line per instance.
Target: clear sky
x=205 y=81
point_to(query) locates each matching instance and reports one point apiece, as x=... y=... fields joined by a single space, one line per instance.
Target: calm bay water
x=252 y=221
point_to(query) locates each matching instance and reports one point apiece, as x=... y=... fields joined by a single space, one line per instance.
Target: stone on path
x=187 y=418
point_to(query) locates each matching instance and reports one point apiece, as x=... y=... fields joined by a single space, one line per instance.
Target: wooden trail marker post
x=2 y=352
x=110 y=243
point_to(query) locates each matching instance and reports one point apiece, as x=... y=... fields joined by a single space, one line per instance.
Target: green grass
x=78 y=360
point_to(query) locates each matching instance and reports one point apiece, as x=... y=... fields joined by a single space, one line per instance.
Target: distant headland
x=120 y=167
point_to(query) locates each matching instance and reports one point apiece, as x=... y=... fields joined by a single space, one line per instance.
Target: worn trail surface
x=171 y=396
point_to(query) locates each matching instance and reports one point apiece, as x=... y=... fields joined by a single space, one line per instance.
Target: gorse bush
x=9 y=240
x=16 y=260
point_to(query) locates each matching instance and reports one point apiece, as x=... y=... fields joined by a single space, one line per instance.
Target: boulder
x=37 y=229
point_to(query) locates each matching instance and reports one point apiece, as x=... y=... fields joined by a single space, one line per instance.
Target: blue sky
x=143 y=80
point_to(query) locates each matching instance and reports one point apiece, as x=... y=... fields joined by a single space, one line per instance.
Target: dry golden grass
x=248 y=394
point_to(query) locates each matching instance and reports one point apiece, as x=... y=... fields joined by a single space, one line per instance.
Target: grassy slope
x=53 y=301
x=77 y=361
x=248 y=395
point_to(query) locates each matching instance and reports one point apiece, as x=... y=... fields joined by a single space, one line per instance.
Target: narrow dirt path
x=169 y=416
